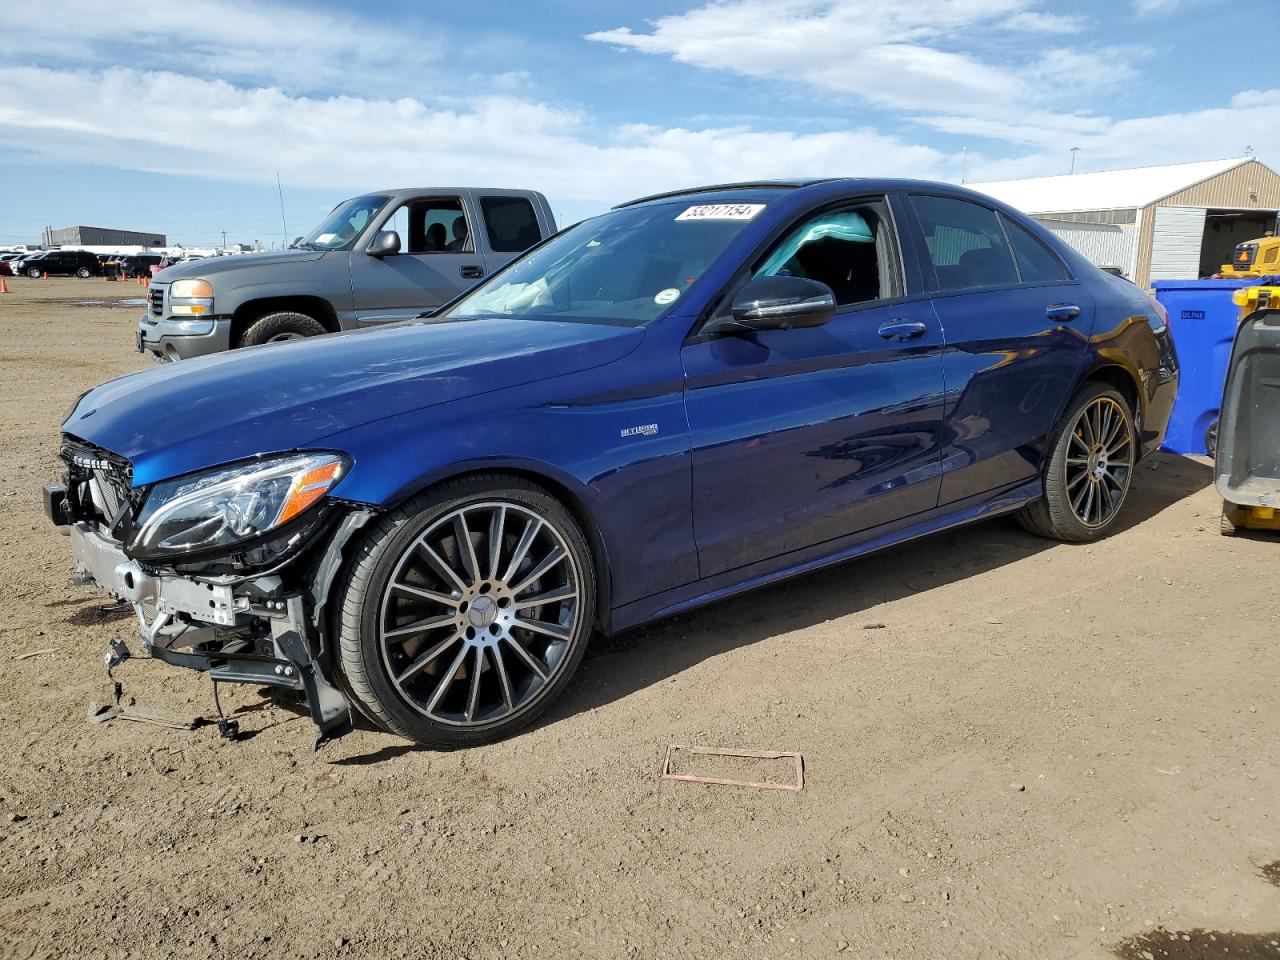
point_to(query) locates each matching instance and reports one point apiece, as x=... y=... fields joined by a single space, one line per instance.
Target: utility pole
x=964 y=165
x=283 y=223
x=1074 y=151
x=224 y=240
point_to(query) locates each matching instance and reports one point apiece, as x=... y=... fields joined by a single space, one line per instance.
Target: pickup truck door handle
x=471 y=271
x=1062 y=312
x=901 y=329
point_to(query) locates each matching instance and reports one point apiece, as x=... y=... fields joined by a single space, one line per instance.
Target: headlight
x=222 y=508
x=191 y=298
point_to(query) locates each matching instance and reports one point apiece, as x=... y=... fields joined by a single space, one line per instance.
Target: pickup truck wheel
x=279 y=327
x=84 y=273
x=466 y=611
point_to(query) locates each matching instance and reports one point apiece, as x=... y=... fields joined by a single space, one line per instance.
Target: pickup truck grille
x=155 y=301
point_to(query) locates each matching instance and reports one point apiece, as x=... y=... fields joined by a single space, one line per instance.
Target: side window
x=399 y=222
x=511 y=223
x=841 y=248
x=965 y=243
x=1035 y=263
x=438 y=225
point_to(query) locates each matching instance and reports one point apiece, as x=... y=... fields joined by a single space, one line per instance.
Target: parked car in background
x=690 y=396
x=64 y=263
x=375 y=259
x=139 y=264
x=23 y=266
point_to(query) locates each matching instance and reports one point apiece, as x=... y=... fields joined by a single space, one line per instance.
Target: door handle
x=471 y=272
x=901 y=329
x=1062 y=312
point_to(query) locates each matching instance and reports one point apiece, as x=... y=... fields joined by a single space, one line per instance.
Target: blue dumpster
x=1202 y=319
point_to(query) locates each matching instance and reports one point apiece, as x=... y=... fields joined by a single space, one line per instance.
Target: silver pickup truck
x=378 y=258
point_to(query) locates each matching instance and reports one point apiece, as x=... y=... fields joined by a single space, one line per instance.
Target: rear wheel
x=466 y=611
x=279 y=328
x=1093 y=453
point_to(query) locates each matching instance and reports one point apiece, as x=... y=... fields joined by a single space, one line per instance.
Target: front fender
x=621 y=481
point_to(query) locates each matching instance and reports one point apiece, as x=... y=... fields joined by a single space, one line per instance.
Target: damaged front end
x=228 y=570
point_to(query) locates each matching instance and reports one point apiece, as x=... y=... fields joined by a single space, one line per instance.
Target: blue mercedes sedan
x=692 y=395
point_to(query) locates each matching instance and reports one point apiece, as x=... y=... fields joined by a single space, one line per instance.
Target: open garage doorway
x=1223 y=229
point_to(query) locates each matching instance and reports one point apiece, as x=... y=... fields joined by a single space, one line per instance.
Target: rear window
x=1035 y=263
x=965 y=243
x=511 y=223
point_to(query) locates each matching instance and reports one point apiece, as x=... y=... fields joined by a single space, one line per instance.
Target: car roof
x=728 y=192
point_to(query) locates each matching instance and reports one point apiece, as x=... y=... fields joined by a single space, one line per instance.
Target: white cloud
x=892 y=56
x=298 y=48
x=1146 y=8
x=229 y=132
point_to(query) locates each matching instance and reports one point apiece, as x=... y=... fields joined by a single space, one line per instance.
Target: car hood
x=186 y=416
x=210 y=266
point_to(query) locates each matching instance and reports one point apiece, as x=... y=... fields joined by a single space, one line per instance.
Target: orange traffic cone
x=4 y=287
x=46 y=275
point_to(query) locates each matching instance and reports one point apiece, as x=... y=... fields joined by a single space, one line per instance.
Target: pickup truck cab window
x=511 y=222
x=435 y=225
x=965 y=243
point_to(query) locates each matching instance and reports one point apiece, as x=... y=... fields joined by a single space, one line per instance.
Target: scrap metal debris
x=160 y=718
x=747 y=754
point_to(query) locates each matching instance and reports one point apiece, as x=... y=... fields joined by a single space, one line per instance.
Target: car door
x=1015 y=322
x=438 y=259
x=804 y=436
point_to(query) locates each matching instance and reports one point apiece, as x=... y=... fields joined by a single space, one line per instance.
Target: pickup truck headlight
x=191 y=298
x=220 y=509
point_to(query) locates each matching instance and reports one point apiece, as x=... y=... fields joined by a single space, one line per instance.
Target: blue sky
x=178 y=120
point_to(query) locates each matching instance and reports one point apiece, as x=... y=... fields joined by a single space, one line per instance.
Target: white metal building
x=1179 y=221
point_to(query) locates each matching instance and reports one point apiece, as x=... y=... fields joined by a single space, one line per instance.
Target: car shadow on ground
x=617 y=666
x=620 y=665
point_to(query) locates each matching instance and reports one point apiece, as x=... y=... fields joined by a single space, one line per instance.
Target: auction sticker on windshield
x=722 y=211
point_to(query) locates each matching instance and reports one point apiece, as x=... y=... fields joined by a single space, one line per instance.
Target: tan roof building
x=1178 y=221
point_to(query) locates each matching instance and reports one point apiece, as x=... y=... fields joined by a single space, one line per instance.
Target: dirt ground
x=1045 y=751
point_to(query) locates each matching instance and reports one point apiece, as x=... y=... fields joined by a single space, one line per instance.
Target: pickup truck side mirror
x=384 y=244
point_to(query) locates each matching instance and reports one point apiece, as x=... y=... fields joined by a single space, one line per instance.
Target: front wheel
x=279 y=328
x=1092 y=455
x=466 y=611
x=33 y=273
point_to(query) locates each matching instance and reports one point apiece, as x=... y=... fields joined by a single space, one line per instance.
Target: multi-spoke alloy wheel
x=472 y=612
x=1099 y=465
x=1089 y=469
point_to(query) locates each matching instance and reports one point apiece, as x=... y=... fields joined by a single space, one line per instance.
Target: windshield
x=626 y=266
x=340 y=229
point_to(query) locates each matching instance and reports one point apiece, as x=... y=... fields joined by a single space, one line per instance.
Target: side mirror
x=384 y=244
x=778 y=303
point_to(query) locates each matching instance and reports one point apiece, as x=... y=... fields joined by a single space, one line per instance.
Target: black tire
x=33 y=273
x=361 y=614
x=84 y=273
x=1054 y=515
x=1227 y=523
x=279 y=327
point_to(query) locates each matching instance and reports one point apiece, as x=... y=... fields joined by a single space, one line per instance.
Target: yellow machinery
x=1247 y=454
x=1254 y=258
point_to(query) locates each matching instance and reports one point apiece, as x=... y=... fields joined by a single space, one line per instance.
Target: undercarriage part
x=330 y=709
x=227 y=729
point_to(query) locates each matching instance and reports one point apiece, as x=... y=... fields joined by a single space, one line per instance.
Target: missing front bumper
x=192 y=623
